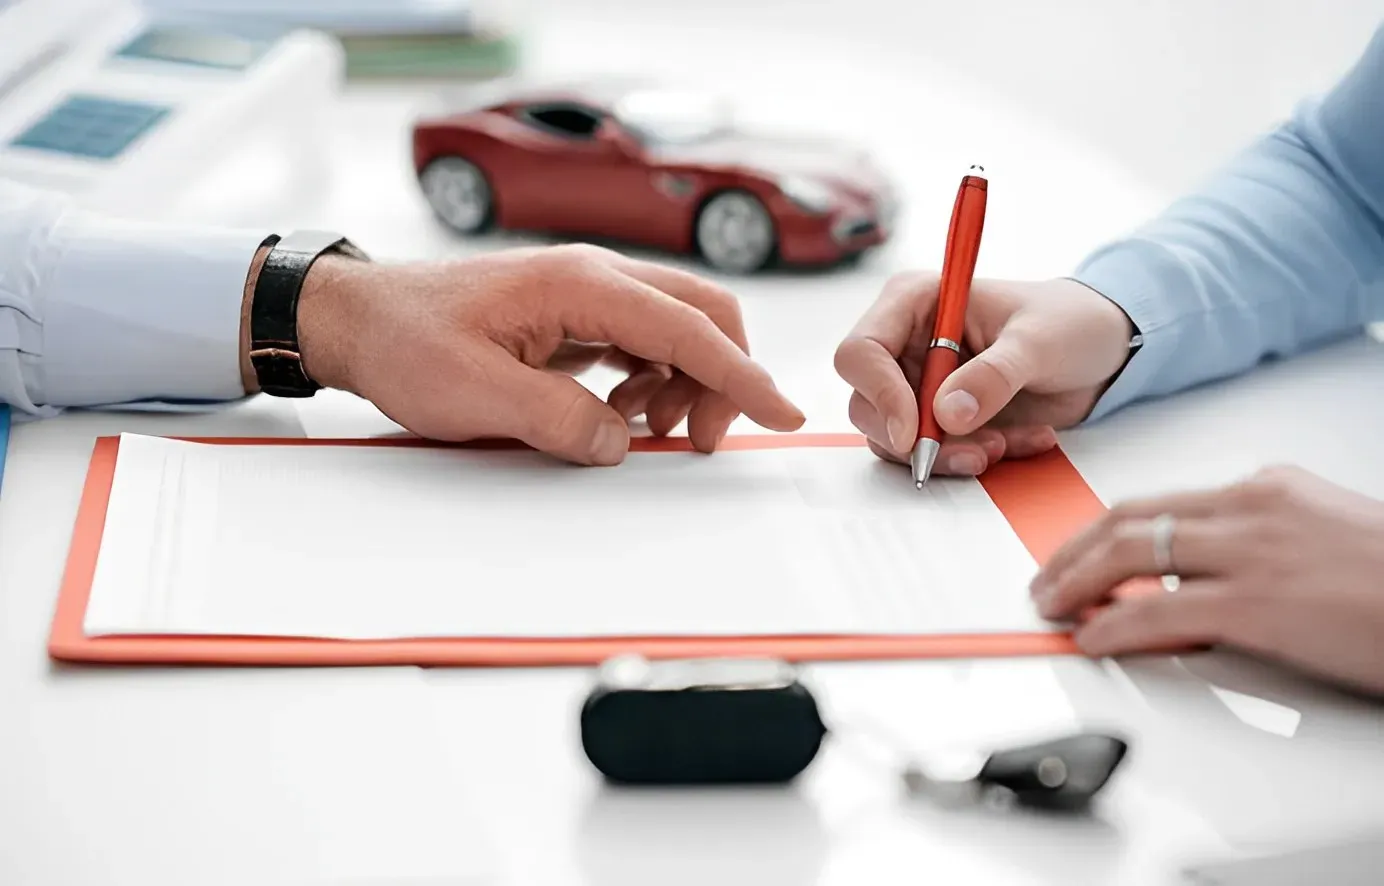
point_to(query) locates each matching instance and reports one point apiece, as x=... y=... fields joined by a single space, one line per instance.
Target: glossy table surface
x=359 y=776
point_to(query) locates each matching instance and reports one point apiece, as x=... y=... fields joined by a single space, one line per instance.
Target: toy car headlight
x=809 y=194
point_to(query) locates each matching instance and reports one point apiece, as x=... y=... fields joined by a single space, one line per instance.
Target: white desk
x=94 y=766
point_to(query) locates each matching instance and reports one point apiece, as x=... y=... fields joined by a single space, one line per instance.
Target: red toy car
x=625 y=161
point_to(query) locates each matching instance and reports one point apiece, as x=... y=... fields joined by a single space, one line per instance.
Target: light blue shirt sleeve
x=1283 y=250
x=98 y=311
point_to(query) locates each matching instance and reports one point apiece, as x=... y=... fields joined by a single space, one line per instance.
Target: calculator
x=127 y=110
x=91 y=126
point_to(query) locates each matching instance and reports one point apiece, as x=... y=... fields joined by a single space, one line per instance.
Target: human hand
x=1284 y=565
x=1036 y=357
x=485 y=347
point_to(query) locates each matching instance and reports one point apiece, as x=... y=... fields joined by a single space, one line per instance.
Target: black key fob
x=700 y=722
x=1065 y=773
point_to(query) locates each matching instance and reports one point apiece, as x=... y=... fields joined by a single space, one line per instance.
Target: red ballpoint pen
x=949 y=326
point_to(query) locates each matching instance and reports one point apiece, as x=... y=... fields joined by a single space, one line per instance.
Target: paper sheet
x=360 y=542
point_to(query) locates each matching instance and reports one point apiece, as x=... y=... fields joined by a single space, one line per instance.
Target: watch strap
x=275 y=352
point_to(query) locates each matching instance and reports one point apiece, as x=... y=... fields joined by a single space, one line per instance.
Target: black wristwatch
x=274 y=350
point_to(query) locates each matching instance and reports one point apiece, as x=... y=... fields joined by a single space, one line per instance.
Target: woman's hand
x=1037 y=356
x=1285 y=565
x=485 y=347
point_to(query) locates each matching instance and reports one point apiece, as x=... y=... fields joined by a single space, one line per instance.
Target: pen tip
x=923 y=457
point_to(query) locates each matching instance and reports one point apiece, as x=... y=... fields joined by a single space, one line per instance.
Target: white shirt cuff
x=136 y=311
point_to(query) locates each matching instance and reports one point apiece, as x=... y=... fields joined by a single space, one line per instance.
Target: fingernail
x=967 y=463
x=612 y=439
x=1038 y=587
x=1049 y=601
x=960 y=406
x=896 y=435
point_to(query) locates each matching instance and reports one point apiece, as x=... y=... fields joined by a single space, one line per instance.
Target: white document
x=388 y=542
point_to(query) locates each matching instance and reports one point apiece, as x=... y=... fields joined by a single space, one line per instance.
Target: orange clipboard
x=1045 y=499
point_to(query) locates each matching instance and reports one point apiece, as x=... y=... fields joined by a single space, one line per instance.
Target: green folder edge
x=429 y=55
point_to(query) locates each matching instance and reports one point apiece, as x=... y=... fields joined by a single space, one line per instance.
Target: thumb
x=982 y=386
x=554 y=413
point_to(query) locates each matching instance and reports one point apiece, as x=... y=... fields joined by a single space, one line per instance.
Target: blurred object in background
x=629 y=160
x=32 y=33
x=466 y=39
x=122 y=112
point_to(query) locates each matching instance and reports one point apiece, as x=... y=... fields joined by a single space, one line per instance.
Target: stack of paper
x=432 y=38
x=336 y=16
x=374 y=542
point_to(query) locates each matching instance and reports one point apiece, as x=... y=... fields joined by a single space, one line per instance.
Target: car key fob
x=700 y=722
x=1065 y=773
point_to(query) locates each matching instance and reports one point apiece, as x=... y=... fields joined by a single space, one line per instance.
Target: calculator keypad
x=92 y=126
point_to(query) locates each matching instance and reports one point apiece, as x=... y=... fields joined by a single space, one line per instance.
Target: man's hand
x=1037 y=356
x=485 y=347
x=1285 y=565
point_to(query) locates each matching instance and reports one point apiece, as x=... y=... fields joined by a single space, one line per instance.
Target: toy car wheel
x=458 y=193
x=735 y=232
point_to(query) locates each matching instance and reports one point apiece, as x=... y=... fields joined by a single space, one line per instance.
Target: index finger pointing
x=643 y=320
x=709 y=298
x=711 y=415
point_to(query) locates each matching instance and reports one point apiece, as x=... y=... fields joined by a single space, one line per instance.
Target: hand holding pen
x=949 y=326
x=1032 y=356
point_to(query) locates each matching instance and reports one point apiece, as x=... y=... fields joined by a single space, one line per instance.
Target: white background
x=1090 y=115
x=1165 y=87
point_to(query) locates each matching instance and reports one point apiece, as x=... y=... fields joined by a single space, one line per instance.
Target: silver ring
x=1162 y=530
x=945 y=343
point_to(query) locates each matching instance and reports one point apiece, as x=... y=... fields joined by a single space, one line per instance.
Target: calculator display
x=194 y=47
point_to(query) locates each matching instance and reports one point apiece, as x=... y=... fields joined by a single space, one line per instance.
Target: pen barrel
x=953 y=293
x=939 y=363
x=959 y=260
